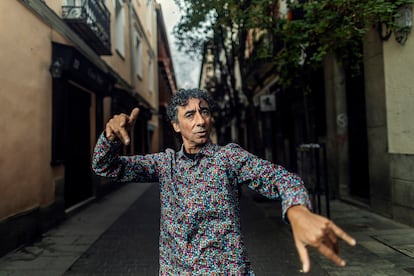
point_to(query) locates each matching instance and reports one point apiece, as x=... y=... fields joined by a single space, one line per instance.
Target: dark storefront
x=76 y=80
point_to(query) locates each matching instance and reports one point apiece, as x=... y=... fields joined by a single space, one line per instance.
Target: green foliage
x=200 y=21
x=326 y=26
x=329 y=26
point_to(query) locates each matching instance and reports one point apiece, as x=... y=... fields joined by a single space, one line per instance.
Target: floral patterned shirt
x=200 y=221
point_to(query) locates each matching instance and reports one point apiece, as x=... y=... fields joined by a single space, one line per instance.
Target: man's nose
x=200 y=120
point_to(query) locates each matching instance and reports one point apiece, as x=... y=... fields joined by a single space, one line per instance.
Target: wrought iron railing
x=91 y=20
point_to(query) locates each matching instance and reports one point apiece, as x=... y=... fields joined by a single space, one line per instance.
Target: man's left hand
x=310 y=229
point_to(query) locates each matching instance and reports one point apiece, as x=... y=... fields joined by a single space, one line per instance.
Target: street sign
x=268 y=103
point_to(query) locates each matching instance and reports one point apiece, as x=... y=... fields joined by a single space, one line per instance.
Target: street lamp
x=56 y=68
x=403 y=23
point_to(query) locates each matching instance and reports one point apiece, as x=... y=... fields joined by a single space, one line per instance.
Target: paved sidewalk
x=384 y=247
x=130 y=245
x=118 y=235
x=61 y=247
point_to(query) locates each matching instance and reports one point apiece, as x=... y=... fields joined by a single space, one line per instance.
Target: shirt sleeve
x=270 y=180
x=107 y=162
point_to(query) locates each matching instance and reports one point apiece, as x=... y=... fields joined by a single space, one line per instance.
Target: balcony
x=90 y=19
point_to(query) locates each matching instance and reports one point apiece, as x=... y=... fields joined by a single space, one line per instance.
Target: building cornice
x=55 y=22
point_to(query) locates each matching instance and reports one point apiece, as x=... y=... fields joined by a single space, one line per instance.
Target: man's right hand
x=119 y=125
x=310 y=229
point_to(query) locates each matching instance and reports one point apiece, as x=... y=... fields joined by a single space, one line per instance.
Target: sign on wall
x=268 y=103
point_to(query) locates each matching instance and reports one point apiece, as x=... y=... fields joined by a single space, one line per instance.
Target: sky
x=187 y=71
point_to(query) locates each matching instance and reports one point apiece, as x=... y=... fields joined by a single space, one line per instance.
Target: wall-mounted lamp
x=403 y=23
x=56 y=68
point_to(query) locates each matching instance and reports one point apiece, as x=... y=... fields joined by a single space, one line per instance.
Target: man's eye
x=206 y=112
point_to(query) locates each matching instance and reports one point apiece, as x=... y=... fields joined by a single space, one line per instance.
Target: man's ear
x=176 y=126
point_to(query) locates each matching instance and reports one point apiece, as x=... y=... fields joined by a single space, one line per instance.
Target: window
x=150 y=11
x=119 y=27
x=150 y=74
x=138 y=55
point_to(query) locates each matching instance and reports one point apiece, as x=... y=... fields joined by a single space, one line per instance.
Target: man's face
x=194 y=124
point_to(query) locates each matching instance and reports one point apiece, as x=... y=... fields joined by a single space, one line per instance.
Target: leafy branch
x=328 y=26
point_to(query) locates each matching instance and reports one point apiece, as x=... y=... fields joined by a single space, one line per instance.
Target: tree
x=220 y=25
x=310 y=31
x=328 y=26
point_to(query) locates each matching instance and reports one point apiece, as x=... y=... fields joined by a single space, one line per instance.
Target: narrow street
x=118 y=235
x=130 y=245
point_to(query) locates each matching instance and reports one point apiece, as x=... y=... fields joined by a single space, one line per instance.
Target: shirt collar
x=207 y=150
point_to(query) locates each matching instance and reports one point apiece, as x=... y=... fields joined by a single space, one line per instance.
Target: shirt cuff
x=301 y=199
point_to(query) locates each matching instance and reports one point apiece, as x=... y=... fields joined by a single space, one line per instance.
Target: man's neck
x=190 y=155
x=193 y=149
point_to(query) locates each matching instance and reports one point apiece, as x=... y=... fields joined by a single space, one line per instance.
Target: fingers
x=134 y=114
x=327 y=243
x=330 y=254
x=110 y=135
x=341 y=234
x=319 y=232
x=304 y=257
x=118 y=126
x=123 y=136
x=117 y=132
x=133 y=117
x=332 y=242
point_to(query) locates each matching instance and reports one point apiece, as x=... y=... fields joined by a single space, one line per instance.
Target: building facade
x=361 y=125
x=68 y=66
x=167 y=85
x=389 y=108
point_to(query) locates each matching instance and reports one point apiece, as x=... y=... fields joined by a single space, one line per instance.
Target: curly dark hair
x=181 y=99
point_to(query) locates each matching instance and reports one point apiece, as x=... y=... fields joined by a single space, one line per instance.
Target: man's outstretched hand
x=310 y=229
x=119 y=125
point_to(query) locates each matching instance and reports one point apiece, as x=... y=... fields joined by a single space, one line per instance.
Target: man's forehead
x=192 y=102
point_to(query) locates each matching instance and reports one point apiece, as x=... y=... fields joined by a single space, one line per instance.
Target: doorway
x=357 y=139
x=78 y=182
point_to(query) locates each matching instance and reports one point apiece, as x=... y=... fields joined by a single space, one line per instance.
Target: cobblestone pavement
x=384 y=247
x=118 y=235
x=130 y=246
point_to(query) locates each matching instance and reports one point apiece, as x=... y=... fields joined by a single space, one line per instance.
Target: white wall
x=399 y=86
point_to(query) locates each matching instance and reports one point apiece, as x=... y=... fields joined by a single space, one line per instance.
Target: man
x=200 y=221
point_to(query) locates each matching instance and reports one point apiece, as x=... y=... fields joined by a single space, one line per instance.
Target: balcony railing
x=91 y=20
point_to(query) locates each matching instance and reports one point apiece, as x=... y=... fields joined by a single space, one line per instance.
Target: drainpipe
x=337 y=126
x=131 y=48
x=131 y=64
